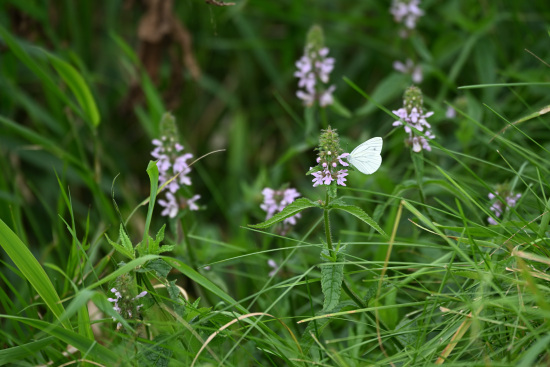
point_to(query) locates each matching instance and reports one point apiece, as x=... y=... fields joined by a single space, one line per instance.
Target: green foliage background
x=78 y=111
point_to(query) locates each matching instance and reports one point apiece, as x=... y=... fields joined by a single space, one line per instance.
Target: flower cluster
x=330 y=160
x=314 y=69
x=276 y=200
x=412 y=113
x=126 y=306
x=498 y=207
x=406 y=12
x=171 y=161
x=409 y=68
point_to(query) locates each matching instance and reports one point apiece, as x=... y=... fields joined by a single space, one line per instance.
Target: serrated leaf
x=126 y=243
x=174 y=293
x=290 y=210
x=161 y=267
x=160 y=234
x=360 y=213
x=119 y=248
x=173 y=290
x=153 y=245
x=332 y=276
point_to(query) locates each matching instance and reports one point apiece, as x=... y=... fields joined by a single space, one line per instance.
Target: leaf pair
x=146 y=247
x=300 y=204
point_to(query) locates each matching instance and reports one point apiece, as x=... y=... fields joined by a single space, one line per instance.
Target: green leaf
x=306 y=341
x=126 y=243
x=161 y=267
x=121 y=249
x=332 y=276
x=35 y=67
x=88 y=347
x=534 y=352
x=198 y=278
x=154 y=245
x=79 y=87
x=174 y=293
x=32 y=271
x=156 y=355
x=21 y=352
x=132 y=265
x=359 y=213
x=290 y=210
x=153 y=173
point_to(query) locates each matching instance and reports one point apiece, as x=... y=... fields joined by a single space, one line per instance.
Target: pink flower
x=171 y=206
x=191 y=202
x=341 y=178
x=314 y=69
x=409 y=68
x=276 y=200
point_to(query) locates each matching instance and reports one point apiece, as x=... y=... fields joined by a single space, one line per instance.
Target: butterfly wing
x=366 y=157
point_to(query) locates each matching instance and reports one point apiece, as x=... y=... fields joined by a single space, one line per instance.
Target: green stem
x=355 y=298
x=327 y=226
x=192 y=260
x=351 y=294
x=188 y=247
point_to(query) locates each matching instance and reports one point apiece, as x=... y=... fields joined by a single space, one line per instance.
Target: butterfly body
x=366 y=156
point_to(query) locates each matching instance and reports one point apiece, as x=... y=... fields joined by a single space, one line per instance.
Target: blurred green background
x=226 y=73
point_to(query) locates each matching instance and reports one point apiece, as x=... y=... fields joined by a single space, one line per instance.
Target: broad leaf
x=161 y=267
x=360 y=213
x=32 y=271
x=332 y=276
x=129 y=253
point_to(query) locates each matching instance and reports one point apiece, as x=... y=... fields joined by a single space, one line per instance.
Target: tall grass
x=423 y=279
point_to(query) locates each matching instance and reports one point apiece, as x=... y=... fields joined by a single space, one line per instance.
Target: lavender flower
x=450 y=113
x=330 y=161
x=412 y=113
x=409 y=68
x=314 y=69
x=276 y=200
x=499 y=206
x=406 y=12
x=171 y=161
x=126 y=306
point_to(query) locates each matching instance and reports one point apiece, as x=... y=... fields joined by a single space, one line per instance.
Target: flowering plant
x=413 y=119
x=173 y=169
x=314 y=69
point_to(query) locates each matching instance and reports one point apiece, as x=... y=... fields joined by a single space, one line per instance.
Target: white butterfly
x=366 y=157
